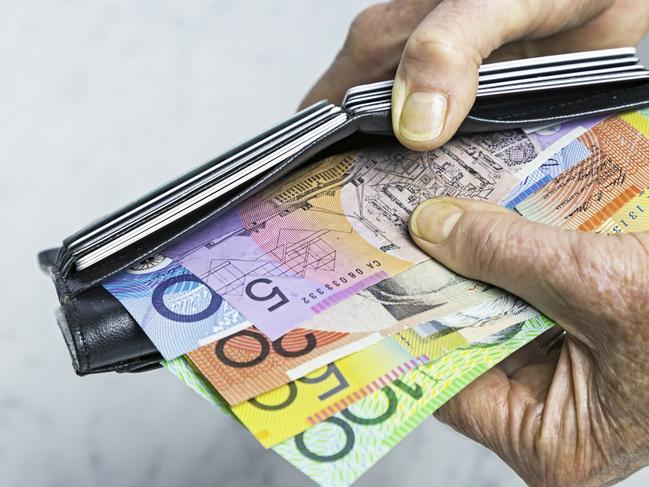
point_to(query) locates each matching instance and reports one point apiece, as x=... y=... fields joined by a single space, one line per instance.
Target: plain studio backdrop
x=99 y=102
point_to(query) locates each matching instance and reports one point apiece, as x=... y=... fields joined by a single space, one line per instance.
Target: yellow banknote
x=615 y=170
x=633 y=216
x=288 y=410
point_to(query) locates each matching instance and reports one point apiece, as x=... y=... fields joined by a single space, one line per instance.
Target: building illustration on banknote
x=339 y=225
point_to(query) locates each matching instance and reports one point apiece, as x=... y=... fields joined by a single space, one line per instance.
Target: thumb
x=437 y=78
x=573 y=277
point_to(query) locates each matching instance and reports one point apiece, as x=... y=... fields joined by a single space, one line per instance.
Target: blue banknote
x=174 y=308
x=575 y=152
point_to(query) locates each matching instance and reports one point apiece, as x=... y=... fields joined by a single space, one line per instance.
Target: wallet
x=101 y=335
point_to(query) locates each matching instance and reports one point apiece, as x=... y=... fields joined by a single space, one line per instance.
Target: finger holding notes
x=557 y=419
x=437 y=78
x=572 y=277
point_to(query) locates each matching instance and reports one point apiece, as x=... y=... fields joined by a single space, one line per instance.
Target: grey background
x=100 y=101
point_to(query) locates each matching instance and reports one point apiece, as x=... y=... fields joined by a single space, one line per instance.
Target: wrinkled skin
x=438 y=45
x=578 y=415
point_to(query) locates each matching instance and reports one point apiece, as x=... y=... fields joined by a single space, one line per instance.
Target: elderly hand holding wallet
x=580 y=414
x=573 y=411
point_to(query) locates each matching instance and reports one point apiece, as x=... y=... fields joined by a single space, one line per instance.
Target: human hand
x=438 y=46
x=578 y=416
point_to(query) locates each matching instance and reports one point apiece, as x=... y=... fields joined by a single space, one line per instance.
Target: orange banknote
x=615 y=170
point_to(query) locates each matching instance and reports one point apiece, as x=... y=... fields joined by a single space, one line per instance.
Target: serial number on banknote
x=342 y=280
x=258 y=289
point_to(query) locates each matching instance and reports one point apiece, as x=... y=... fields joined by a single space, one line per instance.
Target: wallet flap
x=532 y=110
x=102 y=336
x=77 y=282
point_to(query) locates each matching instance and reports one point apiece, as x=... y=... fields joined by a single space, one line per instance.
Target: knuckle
x=440 y=46
x=366 y=26
x=375 y=35
x=629 y=274
x=601 y=280
x=366 y=21
x=420 y=48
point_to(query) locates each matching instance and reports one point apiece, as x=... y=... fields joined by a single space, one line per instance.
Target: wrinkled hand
x=438 y=46
x=578 y=416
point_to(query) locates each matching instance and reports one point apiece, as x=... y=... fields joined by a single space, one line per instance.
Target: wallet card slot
x=216 y=169
x=554 y=69
x=554 y=84
x=517 y=82
x=278 y=145
x=175 y=182
x=197 y=174
x=534 y=109
x=560 y=59
x=78 y=282
x=207 y=175
x=569 y=75
x=509 y=67
x=511 y=70
x=231 y=182
x=379 y=105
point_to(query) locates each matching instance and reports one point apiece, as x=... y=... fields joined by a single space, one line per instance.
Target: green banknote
x=339 y=450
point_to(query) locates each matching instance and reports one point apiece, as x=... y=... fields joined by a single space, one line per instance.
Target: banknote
x=482 y=320
x=337 y=451
x=288 y=410
x=524 y=151
x=339 y=226
x=173 y=307
x=422 y=293
x=632 y=217
x=616 y=170
x=248 y=363
x=563 y=153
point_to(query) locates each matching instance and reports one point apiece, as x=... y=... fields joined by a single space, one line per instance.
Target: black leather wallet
x=102 y=336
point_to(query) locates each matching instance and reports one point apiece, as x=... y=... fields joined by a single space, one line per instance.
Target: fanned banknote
x=339 y=226
x=562 y=154
x=291 y=409
x=338 y=451
x=173 y=307
x=588 y=175
x=247 y=364
x=615 y=170
x=147 y=289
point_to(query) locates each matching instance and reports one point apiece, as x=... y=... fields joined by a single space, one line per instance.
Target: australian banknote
x=299 y=405
x=175 y=309
x=613 y=172
x=248 y=363
x=151 y=290
x=423 y=293
x=562 y=153
x=338 y=451
x=339 y=226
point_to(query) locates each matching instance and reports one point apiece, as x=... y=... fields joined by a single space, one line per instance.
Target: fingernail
x=433 y=220
x=423 y=116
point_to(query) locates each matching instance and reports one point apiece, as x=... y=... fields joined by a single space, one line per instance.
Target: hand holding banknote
x=578 y=416
x=438 y=46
